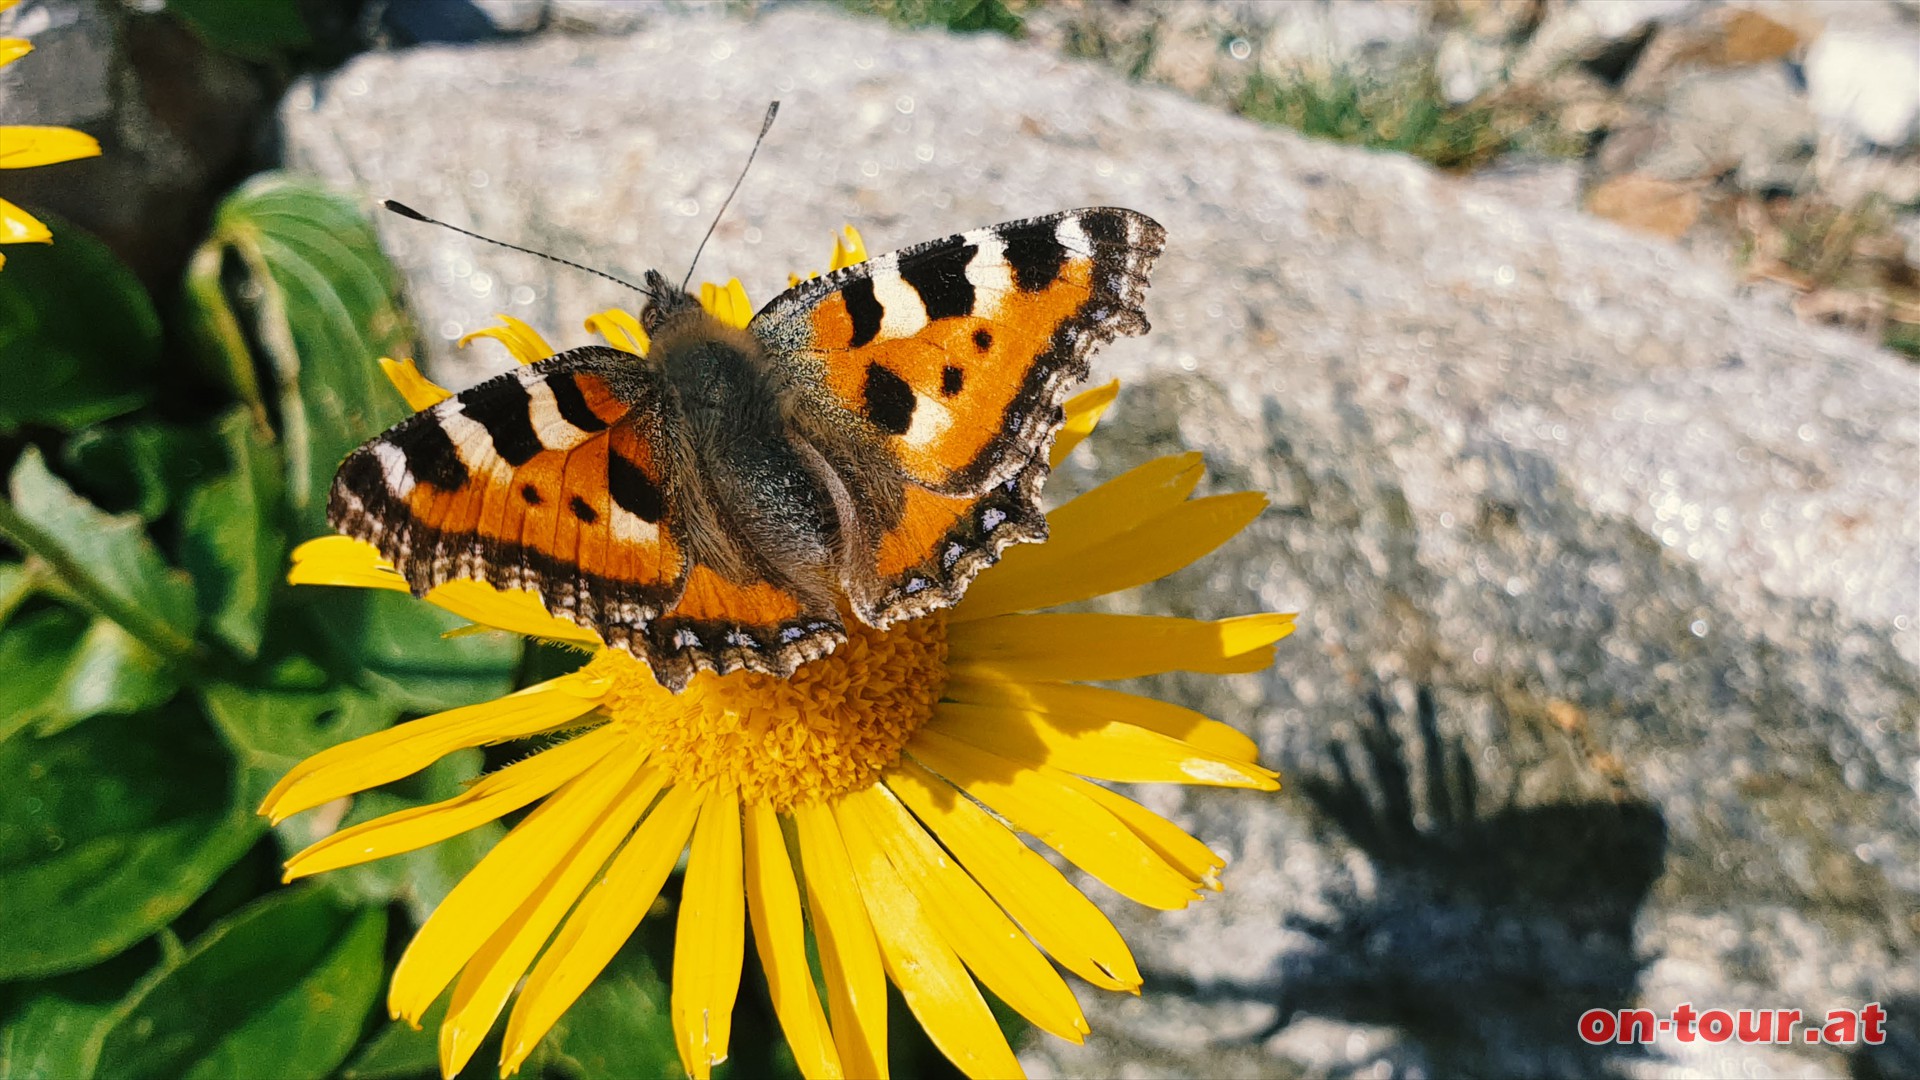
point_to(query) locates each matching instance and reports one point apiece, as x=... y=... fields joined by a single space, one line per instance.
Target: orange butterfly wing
x=953 y=357
x=543 y=479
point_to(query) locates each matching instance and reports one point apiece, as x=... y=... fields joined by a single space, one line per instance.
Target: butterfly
x=872 y=440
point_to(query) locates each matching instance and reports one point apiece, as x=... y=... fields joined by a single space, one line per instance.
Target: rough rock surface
x=174 y=119
x=1608 y=674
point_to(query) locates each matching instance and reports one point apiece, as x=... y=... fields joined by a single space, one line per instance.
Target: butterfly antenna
x=406 y=211
x=773 y=109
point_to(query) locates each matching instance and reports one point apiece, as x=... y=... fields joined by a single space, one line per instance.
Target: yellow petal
x=1036 y=800
x=620 y=330
x=419 y=391
x=489 y=978
x=960 y=911
x=25 y=146
x=513 y=610
x=727 y=303
x=5 y=4
x=1083 y=412
x=1098 y=647
x=1167 y=542
x=604 y=921
x=849 y=953
x=852 y=250
x=342 y=560
x=779 y=937
x=1168 y=840
x=1058 y=916
x=19 y=227
x=1082 y=703
x=13 y=48
x=708 y=941
x=522 y=341
x=492 y=891
x=499 y=792
x=1092 y=747
x=1096 y=517
x=405 y=749
x=930 y=976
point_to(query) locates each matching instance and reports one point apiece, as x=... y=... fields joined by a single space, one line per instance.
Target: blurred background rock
x=1592 y=478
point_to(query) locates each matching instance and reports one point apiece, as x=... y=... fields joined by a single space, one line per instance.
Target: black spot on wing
x=939 y=275
x=889 y=400
x=362 y=475
x=1035 y=255
x=572 y=403
x=633 y=491
x=582 y=510
x=1104 y=227
x=952 y=379
x=505 y=410
x=864 y=309
x=530 y=495
x=983 y=339
x=430 y=454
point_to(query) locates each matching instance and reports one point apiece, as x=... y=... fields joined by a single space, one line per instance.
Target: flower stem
x=152 y=632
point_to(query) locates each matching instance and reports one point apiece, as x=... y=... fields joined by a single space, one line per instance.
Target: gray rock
x=1867 y=84
x=174 y=120
x=1468 y=66
x=1752 y=121
x=514 y=16
x=1608 y=671
x=1592 y=31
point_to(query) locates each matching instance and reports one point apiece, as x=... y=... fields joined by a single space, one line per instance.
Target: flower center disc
x=830 y=728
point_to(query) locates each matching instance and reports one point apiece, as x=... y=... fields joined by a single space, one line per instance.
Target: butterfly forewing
x=545 y=478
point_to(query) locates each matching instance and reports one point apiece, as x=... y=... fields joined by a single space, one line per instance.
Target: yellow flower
x=896 y=770
x=23 y=146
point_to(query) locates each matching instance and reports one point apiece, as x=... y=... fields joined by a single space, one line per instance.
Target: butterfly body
x=866 y=445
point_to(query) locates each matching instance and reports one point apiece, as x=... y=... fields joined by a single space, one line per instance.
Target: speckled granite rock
x=1606 y=685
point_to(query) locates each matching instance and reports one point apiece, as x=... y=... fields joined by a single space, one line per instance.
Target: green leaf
x=271 y=728
x=36 y=650
x=280 y=988
x=18 y=583
x=107 y=832
x=108 y=672
x=52 y=1031
x=106 y=559
x=620 y=1027
x=401 y=650
x=324 y=308
x=74 y=354
x=251 y=29
x=141 y=465
x=231 y=538
x=401 y=1050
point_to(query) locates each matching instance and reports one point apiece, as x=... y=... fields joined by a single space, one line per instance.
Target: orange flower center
x=829 y=729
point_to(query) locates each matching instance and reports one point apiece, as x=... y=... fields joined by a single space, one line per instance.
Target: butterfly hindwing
x=957 y=353
x=546 y=478
x=926 y=559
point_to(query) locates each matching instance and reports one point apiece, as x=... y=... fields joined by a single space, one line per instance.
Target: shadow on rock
x=1484 y=933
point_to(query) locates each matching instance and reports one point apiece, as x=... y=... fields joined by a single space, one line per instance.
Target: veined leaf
x=325 y=306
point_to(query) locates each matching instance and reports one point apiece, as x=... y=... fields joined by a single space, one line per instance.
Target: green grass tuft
x=960 y=16
x=1404 y=113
